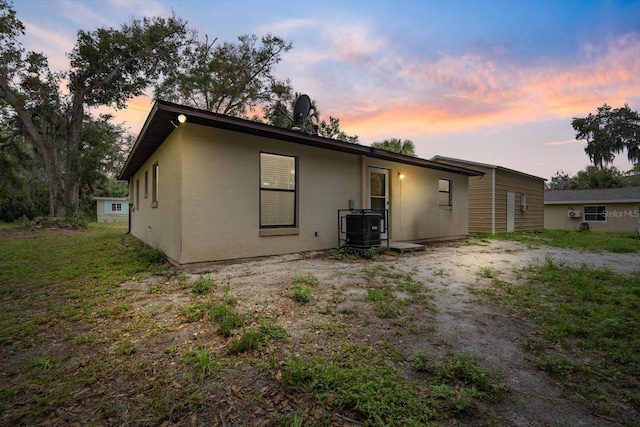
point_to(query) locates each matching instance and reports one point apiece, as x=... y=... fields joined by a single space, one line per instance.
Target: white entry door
x=379 y=192
x=511 y=212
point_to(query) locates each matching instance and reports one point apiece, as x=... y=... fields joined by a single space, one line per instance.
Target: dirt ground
x=460 y=322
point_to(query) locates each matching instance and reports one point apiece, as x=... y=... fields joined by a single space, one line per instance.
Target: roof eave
x=159 y=125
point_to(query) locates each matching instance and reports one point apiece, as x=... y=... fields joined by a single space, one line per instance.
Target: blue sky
x=491 y=81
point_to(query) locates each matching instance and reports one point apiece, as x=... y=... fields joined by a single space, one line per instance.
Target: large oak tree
x=609 y=132
x=107 y=67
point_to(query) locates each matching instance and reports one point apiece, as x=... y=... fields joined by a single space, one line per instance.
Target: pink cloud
x=471 y=91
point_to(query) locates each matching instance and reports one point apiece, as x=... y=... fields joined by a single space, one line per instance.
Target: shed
x=112 y=209
x=612 y=209
x=503 y=199
x=211 y=187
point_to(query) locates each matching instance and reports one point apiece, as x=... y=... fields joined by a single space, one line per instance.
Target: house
x=207 y=187
x=612 y=209
x=503 y=199
x=112 y=209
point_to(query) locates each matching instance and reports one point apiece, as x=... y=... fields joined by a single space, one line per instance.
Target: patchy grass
x=587 y=335
x=353 y=379
x=584 y=240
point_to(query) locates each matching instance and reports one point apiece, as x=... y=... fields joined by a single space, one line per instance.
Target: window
x=595 y=213
x=116 y=207
x=444 y=192
x=137 y=194
x=146 y=184
x=154 y=186
x=277 y=190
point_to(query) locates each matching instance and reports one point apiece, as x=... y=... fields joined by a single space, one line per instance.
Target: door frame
x=387 y=186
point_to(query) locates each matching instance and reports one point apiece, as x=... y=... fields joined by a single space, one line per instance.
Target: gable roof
x=606 y=195
x=472 y=164
x=159 y=125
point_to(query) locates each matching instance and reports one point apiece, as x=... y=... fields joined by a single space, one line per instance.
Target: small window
x=595 y=213
x=154 y=186
x=137 y=194
x=444 y=192
x=116 y=207
x=146 y=184
x=277 y=190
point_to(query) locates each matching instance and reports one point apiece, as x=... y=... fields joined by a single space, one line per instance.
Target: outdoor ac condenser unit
x=574 y=213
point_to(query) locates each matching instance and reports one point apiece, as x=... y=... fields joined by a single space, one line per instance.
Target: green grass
x=202 y=285
x=585 y=240
x=587 y=334
x=61 y=295
x=364 y=381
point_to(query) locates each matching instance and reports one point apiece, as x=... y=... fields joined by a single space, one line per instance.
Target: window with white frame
x=595 y=213
x=277 y=190
x=444 y=192
x=116 y=207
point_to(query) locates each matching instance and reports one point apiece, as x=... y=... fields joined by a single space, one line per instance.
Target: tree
x=227 y=78
x=560 y=181
x=107 y=67
x=609 y=132
x=592 y=177
x=396 y=145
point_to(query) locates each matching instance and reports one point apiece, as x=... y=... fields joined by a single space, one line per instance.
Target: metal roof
x=606 y=195
x=159 y=125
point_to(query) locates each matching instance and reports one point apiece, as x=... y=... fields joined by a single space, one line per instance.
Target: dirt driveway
x=458 y=323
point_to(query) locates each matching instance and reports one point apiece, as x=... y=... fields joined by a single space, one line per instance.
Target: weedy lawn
x=96 y=329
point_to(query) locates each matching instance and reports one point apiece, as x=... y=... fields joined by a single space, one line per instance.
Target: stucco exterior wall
x=620 y=217
x=209 y=197
x=414 y=211
x=159 y=226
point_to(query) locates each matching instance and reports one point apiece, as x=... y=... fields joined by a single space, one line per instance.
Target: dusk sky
x=490 y=81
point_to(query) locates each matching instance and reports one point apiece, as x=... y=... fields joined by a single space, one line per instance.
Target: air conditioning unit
x=572 y=213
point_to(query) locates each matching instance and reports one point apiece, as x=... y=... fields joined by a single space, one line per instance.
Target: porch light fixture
x=181 y=120
x=400 y=175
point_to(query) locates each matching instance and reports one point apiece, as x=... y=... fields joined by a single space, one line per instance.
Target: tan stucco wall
x=621 y=217
x=209 y=184
x=159 y=226
x=414 y=211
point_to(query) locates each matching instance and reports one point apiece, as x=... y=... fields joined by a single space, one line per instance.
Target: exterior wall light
x=182 y=118
x=400 y=175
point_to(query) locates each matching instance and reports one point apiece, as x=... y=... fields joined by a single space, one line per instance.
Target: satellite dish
x=301 y=109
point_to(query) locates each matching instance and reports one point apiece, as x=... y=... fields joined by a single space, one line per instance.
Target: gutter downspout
x=493 y=201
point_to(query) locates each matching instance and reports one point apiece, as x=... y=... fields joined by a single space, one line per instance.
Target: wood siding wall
x=480 y=200
x=533 y=188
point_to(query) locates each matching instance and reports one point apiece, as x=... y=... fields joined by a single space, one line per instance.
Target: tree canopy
x=397 y=145
x=592 y=177
x=227 y=78
x=609 y=132
x=107 y=66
